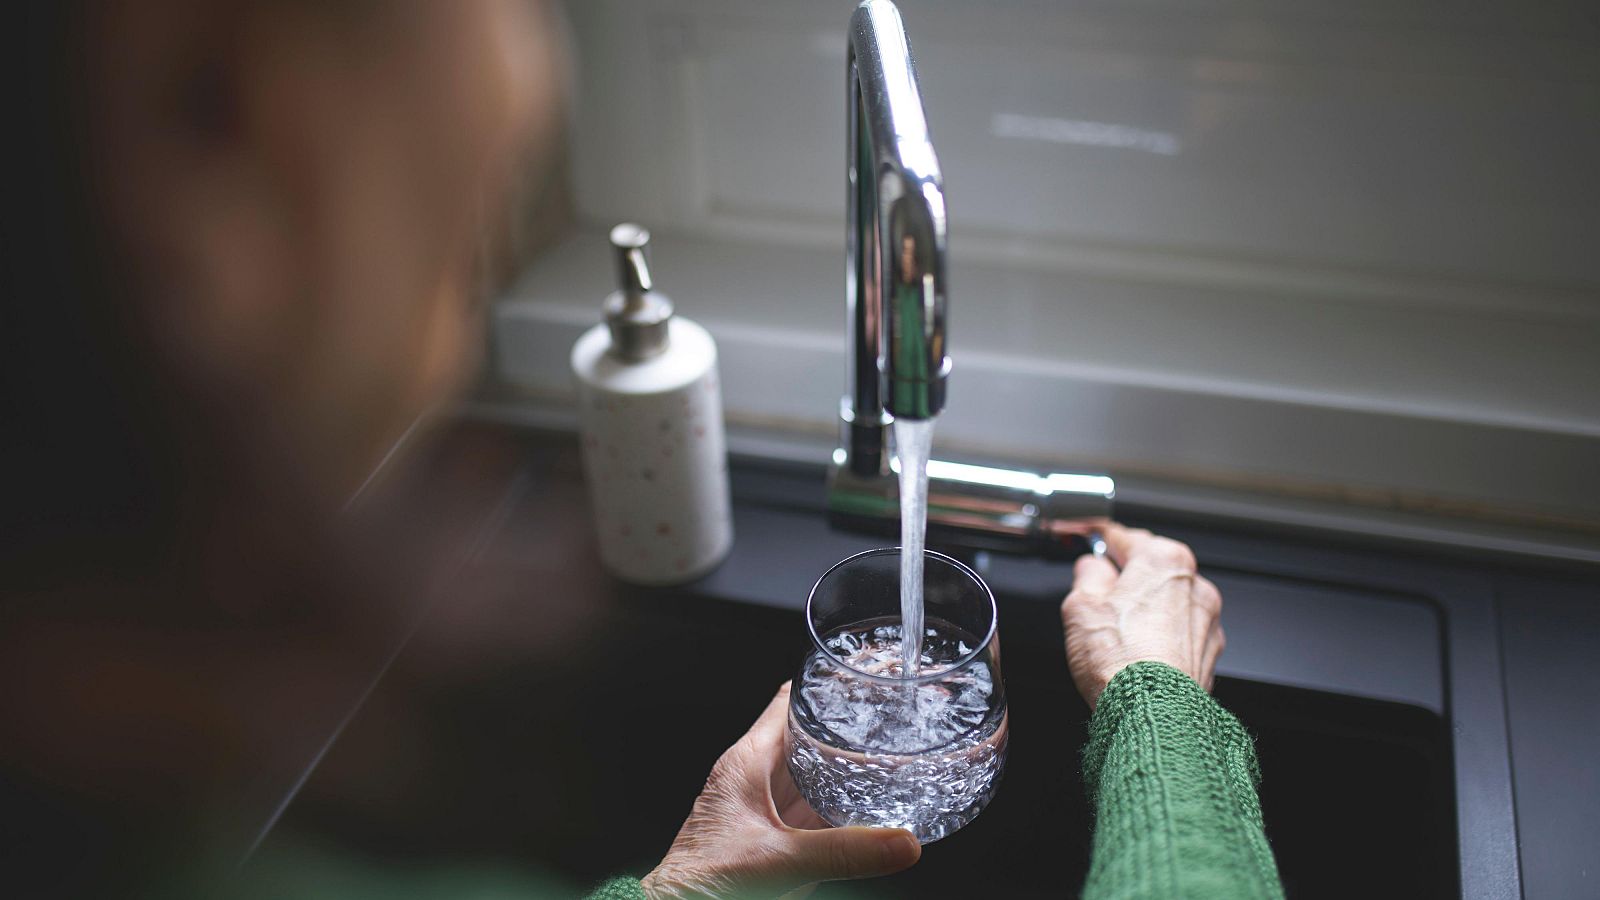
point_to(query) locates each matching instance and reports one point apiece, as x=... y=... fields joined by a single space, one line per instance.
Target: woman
x=239 y=260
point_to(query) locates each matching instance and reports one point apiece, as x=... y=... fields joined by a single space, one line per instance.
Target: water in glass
x=924 y=754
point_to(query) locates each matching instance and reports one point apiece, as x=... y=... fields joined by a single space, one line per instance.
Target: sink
x=528 y=723
x=589 y=766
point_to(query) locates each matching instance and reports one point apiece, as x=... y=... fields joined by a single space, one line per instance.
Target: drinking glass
x=871 y=744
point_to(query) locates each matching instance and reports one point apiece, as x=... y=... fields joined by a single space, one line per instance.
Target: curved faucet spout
x=895 y=247
x=895 y=240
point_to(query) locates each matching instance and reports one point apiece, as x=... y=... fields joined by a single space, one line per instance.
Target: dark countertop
x=1507 y=654
x=1550 y=636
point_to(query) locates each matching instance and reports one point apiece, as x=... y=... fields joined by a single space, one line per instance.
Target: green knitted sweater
x=1173 y=779
x=619 y=889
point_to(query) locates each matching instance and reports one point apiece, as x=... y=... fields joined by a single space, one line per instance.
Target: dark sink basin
x=545 y=717
x=587 y=763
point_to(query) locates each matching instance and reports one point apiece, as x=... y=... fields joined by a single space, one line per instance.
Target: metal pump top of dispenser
x=636 y=313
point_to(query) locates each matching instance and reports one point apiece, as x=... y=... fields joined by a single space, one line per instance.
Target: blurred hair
x=88 y=472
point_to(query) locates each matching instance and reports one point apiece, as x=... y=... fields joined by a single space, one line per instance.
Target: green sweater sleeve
x=1173 y=776
x=618 y=889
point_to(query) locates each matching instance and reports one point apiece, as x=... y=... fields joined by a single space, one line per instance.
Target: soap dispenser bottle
x=650 y=416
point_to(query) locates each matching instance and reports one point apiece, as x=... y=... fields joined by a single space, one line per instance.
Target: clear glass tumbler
x=870 y=745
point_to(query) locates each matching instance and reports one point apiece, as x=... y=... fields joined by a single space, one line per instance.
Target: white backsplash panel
x=1409 y=146
x=1336 y=246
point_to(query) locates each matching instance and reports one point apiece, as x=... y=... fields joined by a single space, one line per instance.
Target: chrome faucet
x=895 y=248
x=894 y=239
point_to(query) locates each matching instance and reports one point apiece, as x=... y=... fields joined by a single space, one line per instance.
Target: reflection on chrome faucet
x=895 y=246
x=895 y=240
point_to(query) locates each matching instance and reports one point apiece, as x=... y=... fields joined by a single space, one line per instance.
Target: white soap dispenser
x=650 y=413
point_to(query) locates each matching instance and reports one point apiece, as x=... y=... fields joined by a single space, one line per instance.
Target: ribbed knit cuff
x=1144 y=686
x=1173 y=779
x=619 y=889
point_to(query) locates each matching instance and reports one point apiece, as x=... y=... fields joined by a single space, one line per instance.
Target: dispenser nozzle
x=632 y=245
x=636 y=313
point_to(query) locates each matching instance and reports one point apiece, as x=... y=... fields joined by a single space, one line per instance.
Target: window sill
x=1415 y=411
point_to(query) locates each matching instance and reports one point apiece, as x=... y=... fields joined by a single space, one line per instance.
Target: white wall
x=1336 y=244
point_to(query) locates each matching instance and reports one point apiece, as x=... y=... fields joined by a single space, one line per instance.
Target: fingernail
x=900 y=849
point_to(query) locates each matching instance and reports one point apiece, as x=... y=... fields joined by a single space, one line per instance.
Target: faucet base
x=979 y=507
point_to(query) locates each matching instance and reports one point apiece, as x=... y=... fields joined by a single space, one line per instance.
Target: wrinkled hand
x=1157 y=608
x=751 y=834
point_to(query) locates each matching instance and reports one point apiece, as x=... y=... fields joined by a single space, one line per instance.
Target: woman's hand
x=1157 y=608
x=752 y=834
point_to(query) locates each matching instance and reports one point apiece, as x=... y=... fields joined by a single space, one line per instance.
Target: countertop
x=1506 y=654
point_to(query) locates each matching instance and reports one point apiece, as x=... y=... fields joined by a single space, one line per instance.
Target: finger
x=1163 y=554
x=1123 y=543
x=795 y=812
x=799 y=814
x=1131 y=547
x=1216 y=641
x=768 y=730
x=851 y=852
x=756 y=762
x=1205 y=612
x=1094 y=574
x=1207 y=596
